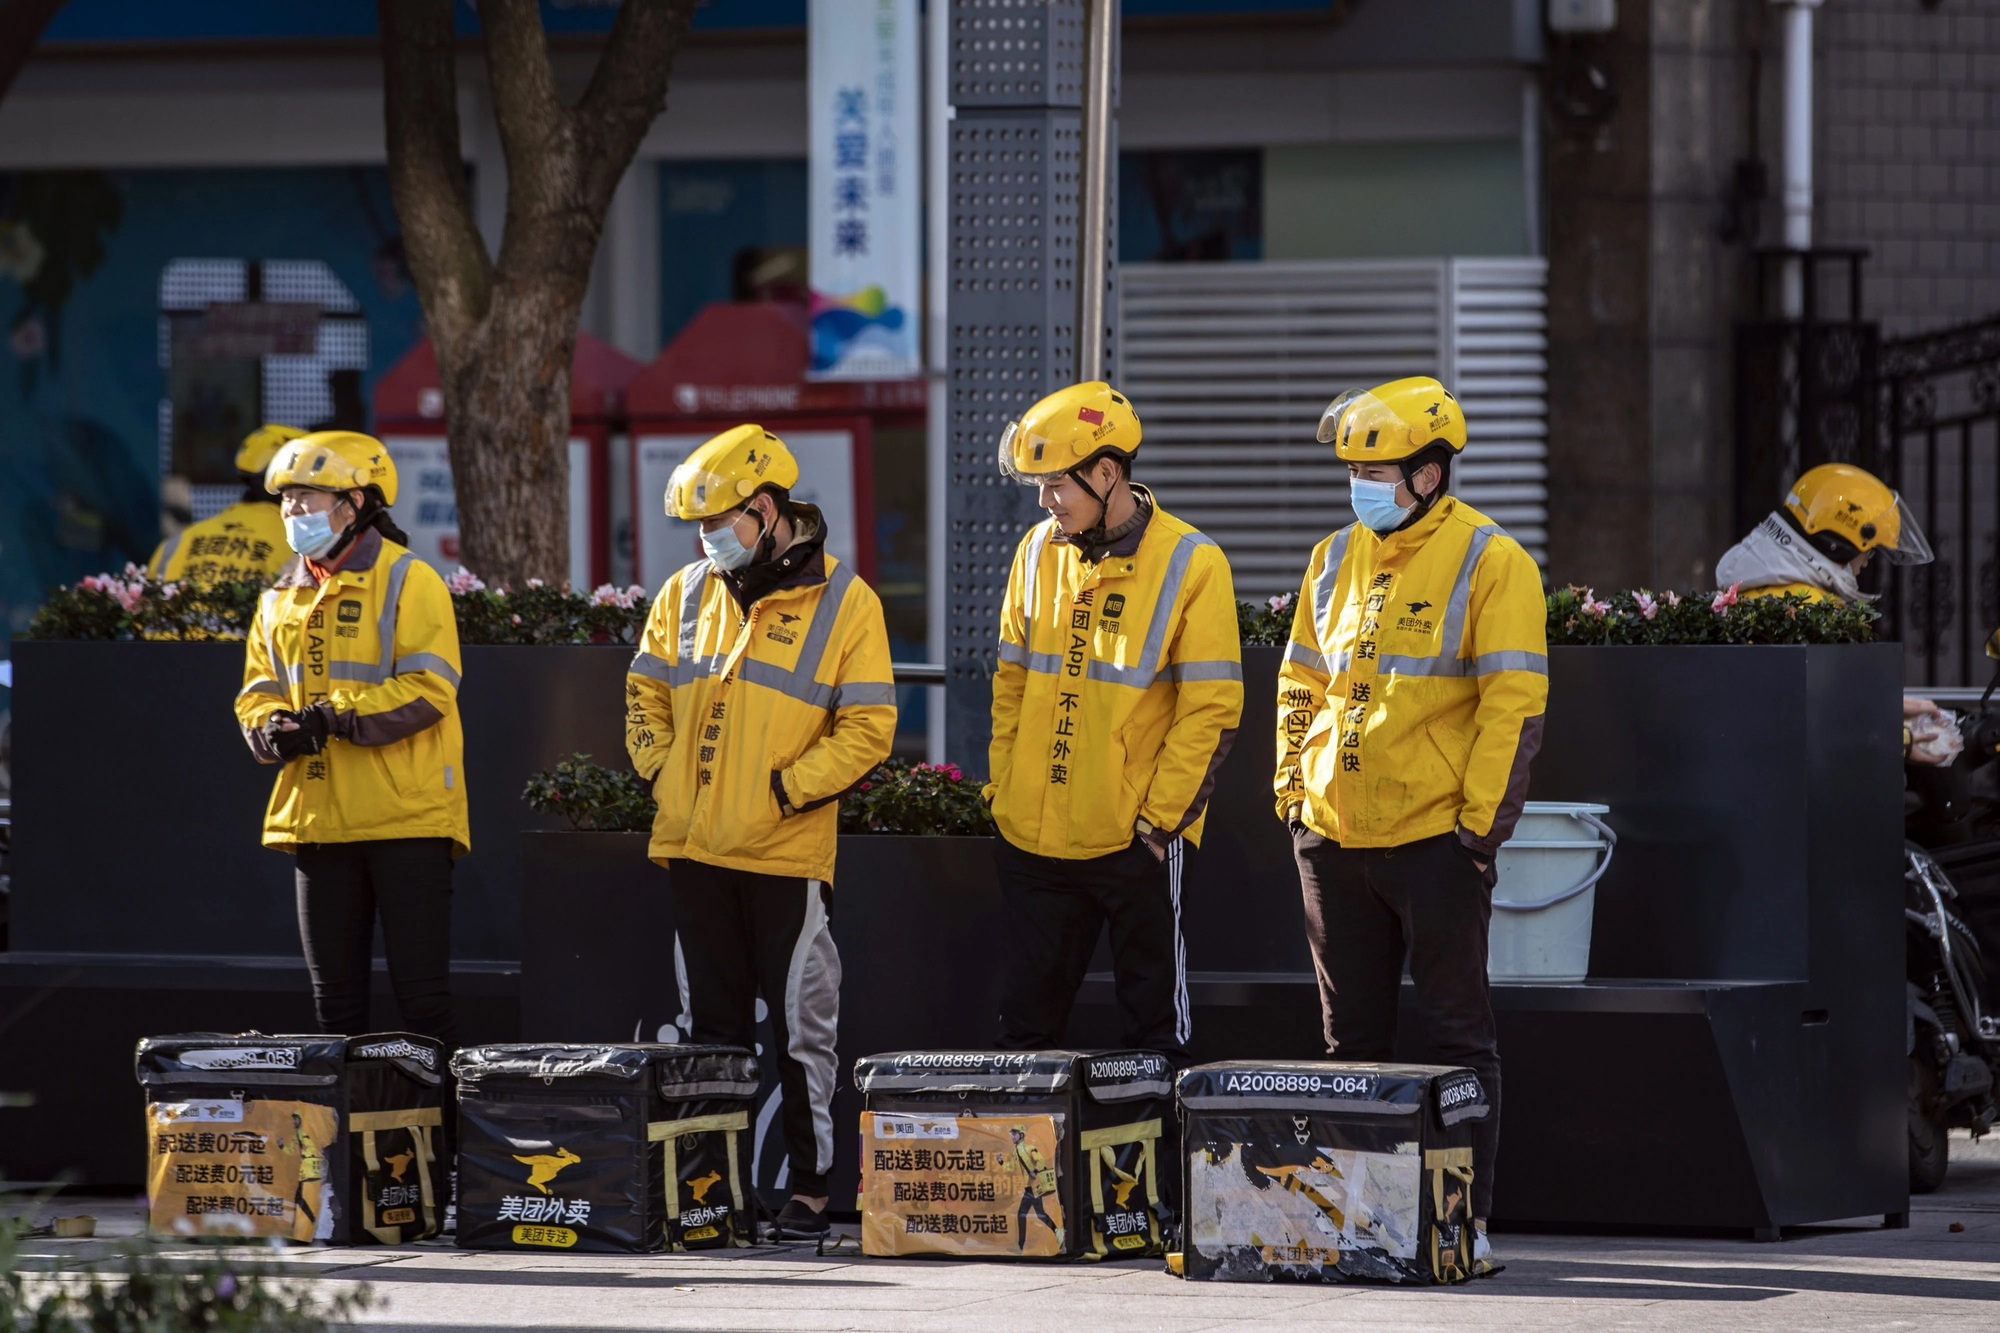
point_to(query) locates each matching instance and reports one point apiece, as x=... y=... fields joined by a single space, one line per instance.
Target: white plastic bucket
x=1547 y=891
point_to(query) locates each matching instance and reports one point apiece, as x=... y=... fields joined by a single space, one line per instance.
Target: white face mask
x=726 y=549
x=1375 y=504
x=311 y=535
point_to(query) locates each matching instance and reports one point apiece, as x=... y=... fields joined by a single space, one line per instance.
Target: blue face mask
x=1375 y=504
x=311 y=535
x=726 y=549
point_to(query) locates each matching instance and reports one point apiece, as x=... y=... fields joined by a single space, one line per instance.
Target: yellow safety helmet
x=1392 y=422
x=261 y=445
x=334 y=460
x=1845 y=511
x=725 y=472
x=1066 y=430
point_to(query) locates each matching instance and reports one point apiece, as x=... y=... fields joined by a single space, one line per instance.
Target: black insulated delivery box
x=1328 y=1171
x=1023 y=1154
x=303 y=1138
x=614 y=1149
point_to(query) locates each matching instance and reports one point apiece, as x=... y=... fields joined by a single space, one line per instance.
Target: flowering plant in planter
x=934 y=800
x=1578 y=616
x=541 y=613
x=1267 y=624
x=135 y=605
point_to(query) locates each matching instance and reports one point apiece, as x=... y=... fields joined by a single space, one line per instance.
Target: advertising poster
x=983 y=1186
x=223 y=1166
x=866 y=188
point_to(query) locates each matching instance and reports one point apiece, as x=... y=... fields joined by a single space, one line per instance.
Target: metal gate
x=1940 y=447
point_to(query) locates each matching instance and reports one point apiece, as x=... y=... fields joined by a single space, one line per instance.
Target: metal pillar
x=1017 y=205
x=1797 y=167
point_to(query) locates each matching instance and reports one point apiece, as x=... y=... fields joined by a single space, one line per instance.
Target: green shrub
x=897 y=797
x=593 y=798
x=143 y=1291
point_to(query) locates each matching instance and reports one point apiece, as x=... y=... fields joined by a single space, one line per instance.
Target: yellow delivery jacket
x=378 y=641
x=1411 y=696
x=726 y=712
x=1118 y=692
x=245 y=543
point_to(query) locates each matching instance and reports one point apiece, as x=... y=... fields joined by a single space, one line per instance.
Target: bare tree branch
x=628 y=89
x=447 y=257
x=21 y=24
x=535 y=130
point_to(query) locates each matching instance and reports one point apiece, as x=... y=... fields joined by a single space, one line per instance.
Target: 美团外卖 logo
x=545 y=1167
x=350 y=611
x=1114 y=606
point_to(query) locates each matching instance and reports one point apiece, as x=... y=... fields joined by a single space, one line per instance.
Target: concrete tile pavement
x=1856 y=1277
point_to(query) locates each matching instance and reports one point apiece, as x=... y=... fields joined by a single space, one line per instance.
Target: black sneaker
x=796 y=1221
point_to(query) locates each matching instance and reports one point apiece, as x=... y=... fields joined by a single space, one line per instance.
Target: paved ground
x=1943 y=1273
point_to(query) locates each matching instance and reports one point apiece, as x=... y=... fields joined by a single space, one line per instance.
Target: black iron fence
x=1921 y=412
x=1940 y=447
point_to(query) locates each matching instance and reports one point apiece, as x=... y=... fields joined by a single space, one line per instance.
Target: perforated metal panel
x=1015 y=195
x=1016 y=53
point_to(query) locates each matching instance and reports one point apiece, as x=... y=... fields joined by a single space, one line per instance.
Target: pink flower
x=464 y=581
x=534 y=583
x=130 y=596
x=1647 y=606
x=1725 y=599
x=1593 y=607
x=1281 y=603
x=866 y=785
x=517 y=620
x=1673 y=599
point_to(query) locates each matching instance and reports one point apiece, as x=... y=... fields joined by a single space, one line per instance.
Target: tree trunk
x=21 y=24
x=505 y=330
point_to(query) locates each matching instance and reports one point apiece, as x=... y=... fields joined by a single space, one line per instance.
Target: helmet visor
x=1330 y=420
x=1900 y=538
x=1016 y=438
x=695 y=492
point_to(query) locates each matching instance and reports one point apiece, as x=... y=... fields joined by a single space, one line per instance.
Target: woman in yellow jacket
x=760 y=694
x=350 y=681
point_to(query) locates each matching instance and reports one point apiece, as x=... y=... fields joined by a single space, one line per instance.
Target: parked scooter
x=1953 y=1033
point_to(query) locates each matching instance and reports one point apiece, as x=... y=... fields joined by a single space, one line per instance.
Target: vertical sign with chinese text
x=866 y=185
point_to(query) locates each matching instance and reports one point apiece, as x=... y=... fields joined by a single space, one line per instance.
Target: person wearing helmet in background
x=760 y=695
x=1835 y=520
x=350 y=681
x=1410 y=705
x=1116 y=698
x=245 y=543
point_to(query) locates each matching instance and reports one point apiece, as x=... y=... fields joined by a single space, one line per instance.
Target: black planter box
x=917 y=921
x=138 y=809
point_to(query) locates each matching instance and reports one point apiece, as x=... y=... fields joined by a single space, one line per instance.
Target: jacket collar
x=1421 y=531
x=1127 y=544
x=800 y=565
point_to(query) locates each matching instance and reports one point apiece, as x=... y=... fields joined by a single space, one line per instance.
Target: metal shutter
x=1230 y=366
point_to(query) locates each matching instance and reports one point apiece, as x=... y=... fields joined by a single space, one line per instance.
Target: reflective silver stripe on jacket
x=1217 y=670
x=1309 y=658
x=1031 y=564
x=262 y=687
x=390 y=665
x=694 y=581
x=1163 y=605
x=800 y=682
x=1446 y=661
x=166 y=559
x=1329 y=575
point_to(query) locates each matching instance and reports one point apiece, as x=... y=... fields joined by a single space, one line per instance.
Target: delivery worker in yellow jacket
x=245 y=543
x=1410 y=705
x=1835 y=520
x=760 y=694
x=350 y=681
x=1119 y=687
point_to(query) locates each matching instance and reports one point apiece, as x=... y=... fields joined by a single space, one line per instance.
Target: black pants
x=1055 y=909
x=341 y=888
x=1365 y=908
x=738 y=934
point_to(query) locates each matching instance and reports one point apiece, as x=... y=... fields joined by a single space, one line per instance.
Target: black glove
x=307 y=737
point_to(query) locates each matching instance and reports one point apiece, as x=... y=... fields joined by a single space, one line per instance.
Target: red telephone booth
x=746 y=361
x=409 y=419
